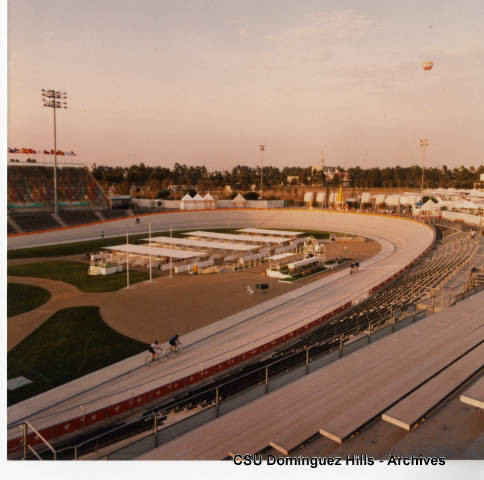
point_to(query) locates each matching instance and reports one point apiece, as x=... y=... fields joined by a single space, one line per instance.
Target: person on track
x=154 y=348
x=175 y=343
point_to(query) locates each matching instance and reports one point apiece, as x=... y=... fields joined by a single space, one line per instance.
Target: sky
x=203 y=82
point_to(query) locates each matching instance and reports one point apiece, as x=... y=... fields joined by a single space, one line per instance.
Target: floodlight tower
x=262 y=148
x=424 y=143
x=54 y=99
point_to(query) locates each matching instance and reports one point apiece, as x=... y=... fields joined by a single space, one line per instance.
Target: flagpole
x=151 y=275
x=171 y=257
x=127 y=261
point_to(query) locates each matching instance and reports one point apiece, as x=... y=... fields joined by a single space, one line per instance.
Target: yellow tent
x=340 y=198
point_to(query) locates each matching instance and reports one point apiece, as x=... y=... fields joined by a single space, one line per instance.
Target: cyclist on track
x=175 y=343
x=154 y=348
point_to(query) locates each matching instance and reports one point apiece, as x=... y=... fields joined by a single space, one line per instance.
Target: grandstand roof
x=240 y=238
x=156 y=251
x=202 y=243
x=263 y=231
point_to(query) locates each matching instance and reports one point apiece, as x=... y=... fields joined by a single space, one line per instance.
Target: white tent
x=308 y=197
x=209 y=201
x=187 y=203
x=239 y=201
x=365 y=197
x=199 y=203
x=320 y=198
x=380 y=199
x=430 y=206
x=393 y=200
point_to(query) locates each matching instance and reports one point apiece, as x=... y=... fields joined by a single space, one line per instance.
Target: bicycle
x=171 y=350
x=150 y=359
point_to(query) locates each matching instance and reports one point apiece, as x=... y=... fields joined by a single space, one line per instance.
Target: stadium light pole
x=151 y=273
x=171 y=257
x=127 y=260
x=54 y=99
x=262 y=148
x=424 y=143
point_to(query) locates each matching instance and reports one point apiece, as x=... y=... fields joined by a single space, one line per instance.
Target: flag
x=31 y=150
x=73 y=154
x=25 y=150
x=11 y=150
x=67 y=153
x=52 y=152
x=60 y=152
x=46 y=152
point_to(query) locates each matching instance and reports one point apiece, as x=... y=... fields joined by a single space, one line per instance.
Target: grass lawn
x=76 y=274
x=71 y=343
x=23 y=298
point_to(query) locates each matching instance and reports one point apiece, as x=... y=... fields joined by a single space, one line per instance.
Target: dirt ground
x=167 y=306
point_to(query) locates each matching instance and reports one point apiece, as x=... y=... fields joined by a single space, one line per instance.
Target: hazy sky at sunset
x=205 y=82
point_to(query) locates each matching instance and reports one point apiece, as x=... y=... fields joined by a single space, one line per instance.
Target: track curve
x=212 y=349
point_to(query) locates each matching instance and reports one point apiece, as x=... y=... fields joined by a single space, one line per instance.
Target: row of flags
x=45 y=152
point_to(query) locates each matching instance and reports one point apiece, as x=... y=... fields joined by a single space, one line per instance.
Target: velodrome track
x=229 y=341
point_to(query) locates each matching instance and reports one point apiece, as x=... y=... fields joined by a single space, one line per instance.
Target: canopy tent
x=209 y=201
x=239 y=238
x=320 y=197
x=379 y=199
x=430 y=206
x=262 y=231
x=199 y=203
x=239 y=201
x=308 y=197
x=146 y=250
x=393 y=200
x=365 y=197
x=187 y=203
x=213 y=245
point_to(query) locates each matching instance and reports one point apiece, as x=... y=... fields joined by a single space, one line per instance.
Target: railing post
x=217 y=402
x=24 y=435
x=76 y=453
x=267 y=378
x=155 y=426
x=307 y=359
x=340 y=346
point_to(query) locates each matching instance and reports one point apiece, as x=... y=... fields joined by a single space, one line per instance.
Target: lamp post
x=262 y=148
x=424 y=143
x=54 y=99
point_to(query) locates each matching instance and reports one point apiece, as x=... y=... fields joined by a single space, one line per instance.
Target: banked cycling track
x=114 y=392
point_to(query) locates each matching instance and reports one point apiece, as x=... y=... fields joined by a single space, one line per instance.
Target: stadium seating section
x=33 y=186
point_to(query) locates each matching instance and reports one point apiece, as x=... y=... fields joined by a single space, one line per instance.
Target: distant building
x=293 y=180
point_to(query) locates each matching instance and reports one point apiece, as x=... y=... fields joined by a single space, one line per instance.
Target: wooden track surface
x=240 y=331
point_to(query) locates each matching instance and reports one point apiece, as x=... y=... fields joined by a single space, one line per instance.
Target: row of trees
x=243 y=177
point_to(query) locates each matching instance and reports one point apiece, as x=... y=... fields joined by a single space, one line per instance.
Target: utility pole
x=54 y=99
x=424 y=143
x=262 y=148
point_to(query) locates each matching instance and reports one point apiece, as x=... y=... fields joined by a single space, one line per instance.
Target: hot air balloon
x=427 y=65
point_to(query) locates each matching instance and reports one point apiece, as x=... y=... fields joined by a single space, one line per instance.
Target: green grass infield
x=22 y=298
x=76 y=274
x=71 y=343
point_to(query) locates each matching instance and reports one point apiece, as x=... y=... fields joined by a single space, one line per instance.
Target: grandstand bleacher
x=32 y=185
x=34 y=221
